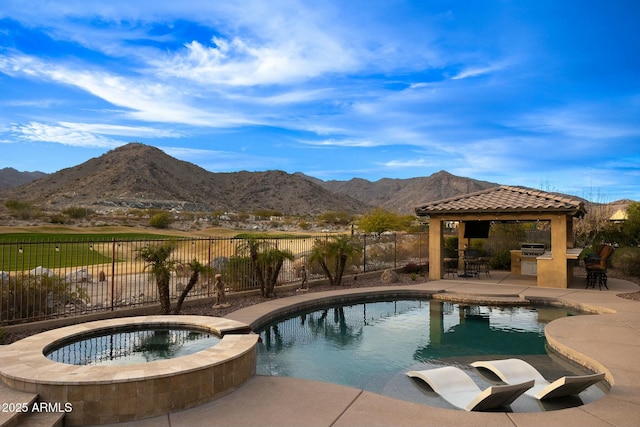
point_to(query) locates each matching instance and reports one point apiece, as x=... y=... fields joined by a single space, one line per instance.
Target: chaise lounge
x=459 y=389
x=513 y=371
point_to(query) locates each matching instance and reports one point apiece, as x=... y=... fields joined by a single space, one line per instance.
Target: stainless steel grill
x=532 y=249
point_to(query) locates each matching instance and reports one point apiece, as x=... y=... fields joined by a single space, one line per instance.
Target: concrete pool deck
x=608 y=342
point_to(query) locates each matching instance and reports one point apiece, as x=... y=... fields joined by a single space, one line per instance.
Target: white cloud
x=584 y=121
x=120 y=130
x=149 y=101
x=40 y=132
x=413 y=163
x=239 y=62
x=341 y=143
x=469 y=72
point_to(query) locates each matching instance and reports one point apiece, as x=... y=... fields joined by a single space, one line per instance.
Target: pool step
x=11 y=399
x=480 y=299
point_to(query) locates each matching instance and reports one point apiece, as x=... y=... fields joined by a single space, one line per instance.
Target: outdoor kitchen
x=525 y=260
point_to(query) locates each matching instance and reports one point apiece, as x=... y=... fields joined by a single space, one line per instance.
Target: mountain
x=11 y=178
x=403 y=195
x=141 y=176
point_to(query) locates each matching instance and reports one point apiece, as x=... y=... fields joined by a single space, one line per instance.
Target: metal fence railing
x=49 y=279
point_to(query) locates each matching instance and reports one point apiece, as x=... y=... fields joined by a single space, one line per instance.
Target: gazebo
x=476 y=211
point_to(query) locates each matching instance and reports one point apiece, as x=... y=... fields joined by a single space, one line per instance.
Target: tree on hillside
x=334 y=251
x=380 y=220
x=336 y=218
x=631 y=226
x=157 y=259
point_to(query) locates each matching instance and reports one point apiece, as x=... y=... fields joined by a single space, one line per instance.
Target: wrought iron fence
x=49 y=279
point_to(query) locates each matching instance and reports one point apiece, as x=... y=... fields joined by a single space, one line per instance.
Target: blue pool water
x=371 y=345
x=126 y=346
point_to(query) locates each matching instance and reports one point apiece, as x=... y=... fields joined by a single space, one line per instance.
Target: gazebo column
x=436 y=248
x=462 y=244
x=552 y=269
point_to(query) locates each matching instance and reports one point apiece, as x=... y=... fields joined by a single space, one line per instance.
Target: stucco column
x=462 y=244
x=436 y=248
x=552 y=270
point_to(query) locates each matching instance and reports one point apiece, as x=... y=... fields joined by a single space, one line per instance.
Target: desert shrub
x=160 y=220
x=304 y=225
x=413 y=268
x=478 y=245
x=57 y=219
x=30 y=296
x=501 y=260
x=239 y=274
x=336 y=218
x=76 y=212
x=22 y=210
x=627 y=260
x=450 y=247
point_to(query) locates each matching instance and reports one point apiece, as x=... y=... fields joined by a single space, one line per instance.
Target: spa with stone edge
x=103 y=386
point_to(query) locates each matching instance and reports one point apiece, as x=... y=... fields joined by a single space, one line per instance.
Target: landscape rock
x=389 y=276
x=79 y=276
x=41 y=271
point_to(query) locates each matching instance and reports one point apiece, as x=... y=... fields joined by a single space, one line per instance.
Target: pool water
x=132 y=346
x=371 y=345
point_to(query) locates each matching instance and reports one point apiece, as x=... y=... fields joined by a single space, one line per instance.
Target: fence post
x=113 y=270
x=395 y=250
x=364 y=253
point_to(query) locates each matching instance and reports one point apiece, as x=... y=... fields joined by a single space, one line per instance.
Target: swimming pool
x=371 y=345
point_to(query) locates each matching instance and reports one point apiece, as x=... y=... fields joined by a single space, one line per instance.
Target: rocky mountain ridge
x=140 y=176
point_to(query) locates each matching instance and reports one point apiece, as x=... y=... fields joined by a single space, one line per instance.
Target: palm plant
x=157 y=259
x=271 y=261
x=252 y=248
x=196 y=269
x=336 y=250
x=266 y=262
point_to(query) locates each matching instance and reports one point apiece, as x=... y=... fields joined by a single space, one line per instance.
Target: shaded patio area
x=476 y=212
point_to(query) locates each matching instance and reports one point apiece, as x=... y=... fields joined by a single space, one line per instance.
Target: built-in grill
x=532 y=249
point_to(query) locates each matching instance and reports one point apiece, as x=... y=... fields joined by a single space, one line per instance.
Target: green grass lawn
x=25 y=251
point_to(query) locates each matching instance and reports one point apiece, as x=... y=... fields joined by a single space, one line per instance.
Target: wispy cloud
x=64 y=135
x=121 y=130
x=341 y=143
x=593 y=121
x=469 y=72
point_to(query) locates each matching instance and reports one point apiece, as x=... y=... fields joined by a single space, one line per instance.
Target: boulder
x=79 y=276
x=41 y=271
x=389 y=276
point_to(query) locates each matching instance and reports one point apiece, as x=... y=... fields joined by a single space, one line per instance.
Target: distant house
x=619 y=215
x=619 y=210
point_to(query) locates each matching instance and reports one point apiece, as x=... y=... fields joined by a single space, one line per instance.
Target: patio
x=608 y=342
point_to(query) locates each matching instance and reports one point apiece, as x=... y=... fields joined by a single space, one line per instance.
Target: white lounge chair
x=513 y=371
x=459 y=389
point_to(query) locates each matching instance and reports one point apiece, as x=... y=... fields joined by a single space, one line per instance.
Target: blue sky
x=544 y=94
